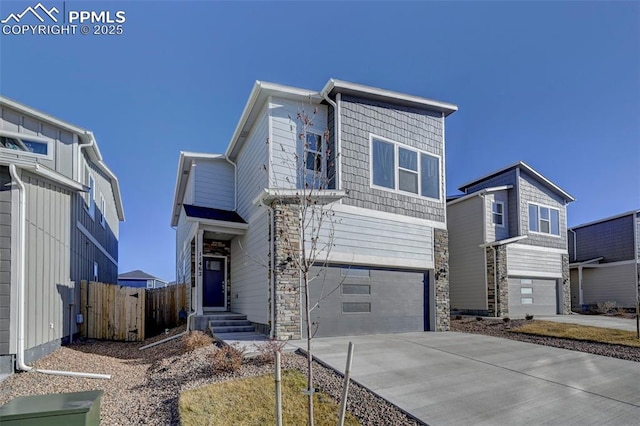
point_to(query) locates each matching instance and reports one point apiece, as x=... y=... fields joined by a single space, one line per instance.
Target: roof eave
x=388 y=95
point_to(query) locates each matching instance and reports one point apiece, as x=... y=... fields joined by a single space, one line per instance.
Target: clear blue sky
x=555 y=84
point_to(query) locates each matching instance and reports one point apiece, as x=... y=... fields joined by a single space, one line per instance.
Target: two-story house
x=60 y=209
x=605 y=256
x=508 y=245
x=383 y=265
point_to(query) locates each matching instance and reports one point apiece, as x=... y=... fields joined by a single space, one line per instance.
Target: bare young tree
x=303 y=186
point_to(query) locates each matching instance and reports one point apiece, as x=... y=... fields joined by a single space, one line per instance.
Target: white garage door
x=532 y=296
x=359 y=300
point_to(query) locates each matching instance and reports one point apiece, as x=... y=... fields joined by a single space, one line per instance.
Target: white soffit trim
x=607 y=265
x=505 y=241
x=388 y=95
x=481 y=192
x=45 y=172
x=533 y=274
x=538 y=248
x=586 y=262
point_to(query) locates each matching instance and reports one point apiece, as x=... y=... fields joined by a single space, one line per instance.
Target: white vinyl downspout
x=80 y=147
x=20 y=364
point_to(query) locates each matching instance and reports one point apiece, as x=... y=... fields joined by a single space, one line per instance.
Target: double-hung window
x=314 y=161
x=498 y=213
x=399 y=168
x=544 y=220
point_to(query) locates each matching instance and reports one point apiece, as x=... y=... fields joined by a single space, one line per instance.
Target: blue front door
x=213 y=293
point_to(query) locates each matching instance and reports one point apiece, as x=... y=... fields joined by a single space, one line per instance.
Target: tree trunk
x=310 y=387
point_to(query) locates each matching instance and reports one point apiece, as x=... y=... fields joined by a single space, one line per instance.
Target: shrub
x=195 y=339
x=528 y=317
x=479 y=318
x=607 y=307
x=506 y=320
x=228 y=358
x=267 y=349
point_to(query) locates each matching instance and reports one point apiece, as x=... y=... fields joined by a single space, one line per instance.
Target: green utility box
x=60 y=409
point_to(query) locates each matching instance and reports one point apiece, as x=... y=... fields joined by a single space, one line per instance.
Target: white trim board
x=387 y=216
x=533 y=274
x=95 y=242
x=538 y=248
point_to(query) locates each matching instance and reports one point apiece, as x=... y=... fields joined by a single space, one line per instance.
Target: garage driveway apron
x=456 y=378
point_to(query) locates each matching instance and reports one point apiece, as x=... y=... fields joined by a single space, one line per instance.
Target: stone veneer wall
x=565 y=309
x=287 y=275
x=441 y=264
x=503 y=282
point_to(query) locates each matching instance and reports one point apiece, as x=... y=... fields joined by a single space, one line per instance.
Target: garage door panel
x=532 y=296
x=367 y=301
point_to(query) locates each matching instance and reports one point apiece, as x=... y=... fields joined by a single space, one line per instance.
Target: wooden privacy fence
x=114 y=312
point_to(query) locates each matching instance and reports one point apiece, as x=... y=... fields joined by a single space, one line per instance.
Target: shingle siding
x=612 y=240
x=531 y=191
x=415 y=128
x=5 y=259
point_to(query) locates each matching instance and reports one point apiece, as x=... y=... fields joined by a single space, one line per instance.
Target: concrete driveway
x=594 y=320
x=456 y=378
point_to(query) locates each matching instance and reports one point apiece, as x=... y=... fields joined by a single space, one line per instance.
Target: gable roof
x=524 y=166
x=137 y=275
x=84 y=136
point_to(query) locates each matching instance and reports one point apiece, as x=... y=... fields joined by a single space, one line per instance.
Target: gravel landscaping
x=498 y=328
x=145 y=385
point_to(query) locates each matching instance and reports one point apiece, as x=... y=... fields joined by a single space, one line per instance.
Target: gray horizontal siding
x=249 y=278
x=610 y=284
x=415 y=128
x=214 y=184
x=252 y=162
x=5 y=259
x=360 y=238
x=467 y=281
x=613 y=240
x=534 y=263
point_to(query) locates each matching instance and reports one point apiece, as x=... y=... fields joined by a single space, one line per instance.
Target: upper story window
x=90 y=197
x=24 y=145
x=400 y=168
x=315 y=162
x=545 y=220
x=497 y=209
x=103 y=211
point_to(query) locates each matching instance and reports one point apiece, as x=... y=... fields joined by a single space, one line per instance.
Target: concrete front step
x=225 y=316
x=233 y=329
x=222 y=323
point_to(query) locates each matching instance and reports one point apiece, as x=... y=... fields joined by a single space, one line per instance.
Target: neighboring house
x=604 y=258
x=140 y=279
x=381 y=154
x=60 y=209
x=508 y=241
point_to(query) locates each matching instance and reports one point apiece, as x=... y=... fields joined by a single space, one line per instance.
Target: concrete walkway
x=593 y=320
x=456 y=378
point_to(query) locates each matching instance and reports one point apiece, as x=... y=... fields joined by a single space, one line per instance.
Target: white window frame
x=90 y=199
x=538 y=232
x=317 y=176
x=396 y=168
x=103 y=212
x=39 y=139
x=494 y=213
x=150 y=284
x=95 y=271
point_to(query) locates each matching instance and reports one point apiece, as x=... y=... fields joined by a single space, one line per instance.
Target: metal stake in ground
x=345 y=388
x=278 y=391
